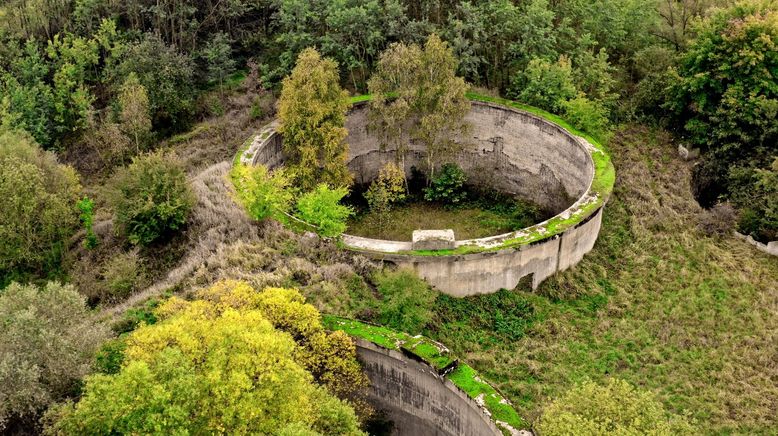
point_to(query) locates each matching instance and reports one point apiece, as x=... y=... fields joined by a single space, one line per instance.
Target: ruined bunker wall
x=417 y=399
x=488 y=272
x=511 y=151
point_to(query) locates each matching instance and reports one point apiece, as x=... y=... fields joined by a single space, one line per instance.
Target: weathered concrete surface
x=510 y=150
x=433 y=239
x=769 y=248
x=417 y=399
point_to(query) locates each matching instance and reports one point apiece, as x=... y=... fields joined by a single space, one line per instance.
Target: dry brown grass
x=692 y=318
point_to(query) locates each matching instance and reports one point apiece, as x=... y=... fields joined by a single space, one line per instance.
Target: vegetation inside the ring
x=153 y=282
x=478 y=216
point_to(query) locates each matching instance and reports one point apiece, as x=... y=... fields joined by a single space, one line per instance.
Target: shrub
x=151 y=198
x=386 y=190
x=448 y=186
x=47 y=344
x=321 y=207
x=616 y=408
x=545 y=84
x=587 y=115
x=86 y=206
x=39 y=206
x=124 y=274
x=262 y=193
x=718 y=220
x=755 y=191
x=503 y=315
x=407 y=303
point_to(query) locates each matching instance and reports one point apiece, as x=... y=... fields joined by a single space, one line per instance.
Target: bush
x=587 y=115
x=407 y=300
x=545 y=84
x=755 y=191
x=386 y=190
x=448 y=186
x=87 y=206
x=718 y=220
x=47 y=344
x=151 y=198
x=616 y=408
x=321 y=207
x=123 y=275
x=39 y=208
x=262 y=193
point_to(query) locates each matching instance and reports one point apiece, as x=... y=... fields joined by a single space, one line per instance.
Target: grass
x=468 y=221
x=693 y=319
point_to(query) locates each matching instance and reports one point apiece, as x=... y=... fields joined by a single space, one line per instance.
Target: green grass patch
x=467 y=379
x=463 y=376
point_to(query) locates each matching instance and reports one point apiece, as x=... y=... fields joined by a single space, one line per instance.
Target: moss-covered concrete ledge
x=423 y=388
x=516 y=149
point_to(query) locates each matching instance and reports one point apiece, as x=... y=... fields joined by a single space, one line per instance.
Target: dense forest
x=118 y=118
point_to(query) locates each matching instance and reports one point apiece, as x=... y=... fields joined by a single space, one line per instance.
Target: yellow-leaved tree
x=312 y=111
x=234 y=361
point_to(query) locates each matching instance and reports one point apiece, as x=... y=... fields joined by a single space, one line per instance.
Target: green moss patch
x=437 y=356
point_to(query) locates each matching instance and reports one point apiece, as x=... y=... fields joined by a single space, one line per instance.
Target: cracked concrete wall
x=512 y=151
x=417 y=399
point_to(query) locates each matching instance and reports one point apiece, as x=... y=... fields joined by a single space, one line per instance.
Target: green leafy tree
x=587 y=115
x=264 y=194
x=321 y=208
x=218 y=58
x=312 y=111
x=416 y=89
x=616 y=408
x=151 y=198
x=448 y=186
x=726 y=93
x=47 y=345
x=39 y=212
x=213 y=365
x=545 y=84
x=385 y=191
x=135 y=118
x=408 y=300
x=167 y=76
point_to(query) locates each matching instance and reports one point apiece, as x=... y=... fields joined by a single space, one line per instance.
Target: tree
x=223 y=363
x=616 y=408
x=418 y=88
x=545 y=84
x=385 y=191
x=587 y=115
x=321 y=208
x=262 y=193
x=167 y=76
x=312 y=112
x=150 y=198
x=218 y=57
x=47 y=345
x=726 y=92
x=39 y=208
x=134 y=115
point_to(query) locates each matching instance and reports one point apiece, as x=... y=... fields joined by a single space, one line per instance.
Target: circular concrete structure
x=508 y=149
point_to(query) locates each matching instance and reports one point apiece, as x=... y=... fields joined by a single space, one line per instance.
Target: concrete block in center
x=433 y=239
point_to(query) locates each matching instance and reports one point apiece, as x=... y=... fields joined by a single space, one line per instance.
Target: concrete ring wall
x=507 y=149
x=416 y=399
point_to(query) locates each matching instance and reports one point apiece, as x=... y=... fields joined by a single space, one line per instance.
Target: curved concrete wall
x=507 y=149
x=417 y=399
x=511 y=151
